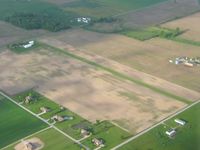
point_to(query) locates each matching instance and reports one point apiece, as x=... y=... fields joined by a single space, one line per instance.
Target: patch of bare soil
x=30 y=144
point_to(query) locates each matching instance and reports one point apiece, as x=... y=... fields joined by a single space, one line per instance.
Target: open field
x=187 y=136
x=52 y=140
x=16 y=123
x=143 y=56
x=190 y=24
x=59 y=77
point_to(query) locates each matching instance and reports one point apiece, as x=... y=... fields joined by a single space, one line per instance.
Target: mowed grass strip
x=53 y=140
x=16 y=123
x=120 y=75
x=187 y=136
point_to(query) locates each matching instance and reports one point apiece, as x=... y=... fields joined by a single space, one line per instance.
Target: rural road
x=154 y=126
x=36 y=115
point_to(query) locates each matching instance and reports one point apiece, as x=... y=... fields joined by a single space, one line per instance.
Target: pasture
x=52 y=140
x=16 y=123
x=59 y=76
x=187 y=137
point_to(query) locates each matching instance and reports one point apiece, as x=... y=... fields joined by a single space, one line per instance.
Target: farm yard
x=187 y=136
x=10 y=34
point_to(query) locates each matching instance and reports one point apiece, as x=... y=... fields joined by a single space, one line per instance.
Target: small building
x=188 y=64
x=98 y=142
x=44 y=109
x=180 y=122
x=171 y=132
x=58 y=118
x=29 y=44
x=85 y=133
x=28 y=99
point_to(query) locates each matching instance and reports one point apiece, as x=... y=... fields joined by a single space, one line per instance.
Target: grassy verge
x=16 y=123
x=120 y=75
x=187 y=137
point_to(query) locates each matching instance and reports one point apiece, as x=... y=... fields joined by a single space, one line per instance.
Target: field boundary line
x=26 y=137
x=120 y=126
x=154 y=126
x=60 y=131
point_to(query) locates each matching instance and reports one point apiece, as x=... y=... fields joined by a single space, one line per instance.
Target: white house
x=171 y=132
x=180 y=122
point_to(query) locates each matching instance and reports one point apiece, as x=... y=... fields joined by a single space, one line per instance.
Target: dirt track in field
x=190 y=24
x=91 y=93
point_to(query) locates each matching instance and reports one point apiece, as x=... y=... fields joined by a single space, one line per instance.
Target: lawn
x=40 y=101
x=16 y=123
x=110 y=134
x=53 y=140
x=187 y=136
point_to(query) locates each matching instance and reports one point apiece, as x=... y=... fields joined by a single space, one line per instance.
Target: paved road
x=154 y=126
x=37 y=116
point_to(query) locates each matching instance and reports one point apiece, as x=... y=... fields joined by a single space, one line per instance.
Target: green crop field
x=53 y=140
x=16 y=123
x=187 y=137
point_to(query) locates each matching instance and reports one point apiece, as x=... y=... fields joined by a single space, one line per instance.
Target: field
x=59 y=77
x=187 y=137
x=16 y=123
x=51 y=143
x=143 y=56
x=190 y=24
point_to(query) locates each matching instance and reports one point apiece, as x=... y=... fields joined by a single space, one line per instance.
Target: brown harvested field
x=10 y=33
x=190 y=24
x=151 y=57
x=90 y=92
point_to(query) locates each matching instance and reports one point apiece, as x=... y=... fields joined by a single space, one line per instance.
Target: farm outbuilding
x=180 y=122
x=171 y=132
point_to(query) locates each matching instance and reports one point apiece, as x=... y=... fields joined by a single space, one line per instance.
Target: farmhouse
x=44 y=109
x=58 y=118
x=180 y=122
x=98 y=142
x=28 y=99
x=83 y=20
x=171 y=132
x=85 y=133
